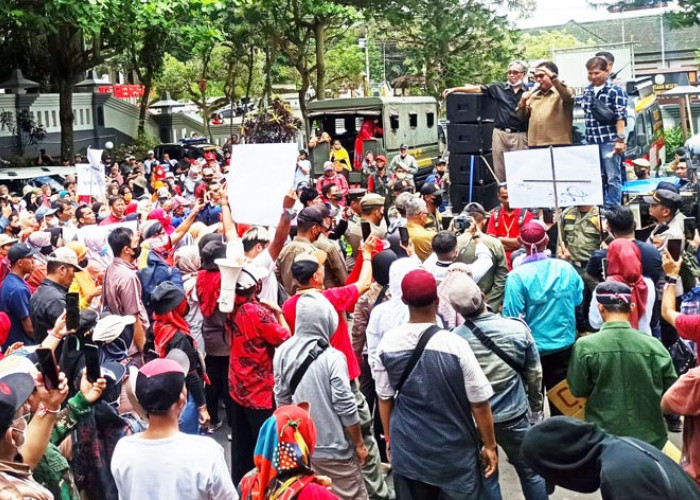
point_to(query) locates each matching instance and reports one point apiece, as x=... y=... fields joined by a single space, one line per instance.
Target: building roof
x=643 y=31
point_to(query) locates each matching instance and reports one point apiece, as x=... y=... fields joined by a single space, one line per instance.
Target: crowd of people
x=373 y=348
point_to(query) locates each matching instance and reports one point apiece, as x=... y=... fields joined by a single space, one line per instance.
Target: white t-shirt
x=181 y=467
x=269 y=282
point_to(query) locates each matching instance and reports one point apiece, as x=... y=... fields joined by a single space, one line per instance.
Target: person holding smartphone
x=665 y=209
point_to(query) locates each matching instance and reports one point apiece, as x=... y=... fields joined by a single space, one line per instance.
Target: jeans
x=611 y=165
x=509 y=435
x=189 y=418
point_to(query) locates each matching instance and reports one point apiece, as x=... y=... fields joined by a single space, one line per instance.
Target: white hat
x=249 y=277
x=66 y=256
x=110 y=327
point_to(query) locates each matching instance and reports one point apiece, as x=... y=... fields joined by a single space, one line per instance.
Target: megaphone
x=230 y=269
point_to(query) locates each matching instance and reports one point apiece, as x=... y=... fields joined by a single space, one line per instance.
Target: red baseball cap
x=419 y=288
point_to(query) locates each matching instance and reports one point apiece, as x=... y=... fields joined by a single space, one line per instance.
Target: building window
x=413 y=120
x=430 y=118
x=394 y=122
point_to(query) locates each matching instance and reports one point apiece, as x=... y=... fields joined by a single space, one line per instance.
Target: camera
x=462 y=222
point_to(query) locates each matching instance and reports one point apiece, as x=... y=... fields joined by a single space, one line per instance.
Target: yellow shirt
x=422 y=239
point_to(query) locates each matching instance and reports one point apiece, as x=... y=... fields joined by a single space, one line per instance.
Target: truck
x=405 y=120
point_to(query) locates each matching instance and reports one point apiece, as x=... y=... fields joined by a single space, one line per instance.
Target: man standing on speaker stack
x=605 y=107
x=549 y=108
x=510 y=130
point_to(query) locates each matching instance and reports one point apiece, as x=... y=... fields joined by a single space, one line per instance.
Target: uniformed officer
x=581 y=234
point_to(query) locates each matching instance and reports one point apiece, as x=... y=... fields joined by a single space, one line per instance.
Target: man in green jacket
x=621 y=371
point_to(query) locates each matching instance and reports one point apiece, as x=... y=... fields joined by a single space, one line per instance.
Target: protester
x=510 y=130
x=593 y=460
x=602 y=365
x=324 y=383
x=420 y=235
x=162 y=462
x=508 y=355
x=407 y=161
x=15 y=296
x=549 y=108
x=441 y=396
x=544 y=292
x=505 y=223
x=331 y=176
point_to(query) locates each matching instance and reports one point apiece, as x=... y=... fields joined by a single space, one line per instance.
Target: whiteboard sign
x=259 y=177
x=90 y=180
x=78 y=233
x=577 y=170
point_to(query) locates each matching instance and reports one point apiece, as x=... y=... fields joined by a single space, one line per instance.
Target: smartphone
x=674 y=247
x=689 y=227
x=48 y=367
x=366 y=230
x=72 y=310
x=403 y=234
x=604 y=265
x=92 y=362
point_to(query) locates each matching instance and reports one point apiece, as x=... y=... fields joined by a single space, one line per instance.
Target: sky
x=553 y=12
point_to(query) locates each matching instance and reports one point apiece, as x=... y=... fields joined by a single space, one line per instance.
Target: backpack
x=496 y=214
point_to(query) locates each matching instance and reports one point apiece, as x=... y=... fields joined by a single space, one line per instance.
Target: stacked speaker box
x=469 y=130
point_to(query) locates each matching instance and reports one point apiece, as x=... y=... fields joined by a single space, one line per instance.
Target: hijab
x=42 y=241
x=625 y=266
x=187 y=259
x=285 y=444
x=164 y=219
x=166 y=325
x=98 y=252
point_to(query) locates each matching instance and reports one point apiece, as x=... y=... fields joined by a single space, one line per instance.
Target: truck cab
x=404 y=120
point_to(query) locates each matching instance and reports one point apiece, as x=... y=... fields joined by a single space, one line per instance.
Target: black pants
x=554 y=368
x=217 y=370
x=411 y=489
x=246 y=424
x=369 y=392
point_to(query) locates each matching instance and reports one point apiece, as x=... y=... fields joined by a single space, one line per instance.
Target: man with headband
x=622 y=372
x=544 y=292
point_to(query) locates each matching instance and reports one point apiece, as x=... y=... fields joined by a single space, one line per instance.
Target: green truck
x=405 y=120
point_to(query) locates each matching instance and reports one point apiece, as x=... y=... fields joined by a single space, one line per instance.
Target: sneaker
x=215 y=427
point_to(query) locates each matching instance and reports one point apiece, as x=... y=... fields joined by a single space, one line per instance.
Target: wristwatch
x=620 y=138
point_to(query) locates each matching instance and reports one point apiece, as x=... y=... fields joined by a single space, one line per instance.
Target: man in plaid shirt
x=611 y=138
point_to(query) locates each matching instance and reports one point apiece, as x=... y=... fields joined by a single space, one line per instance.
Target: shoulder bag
x=417 y=353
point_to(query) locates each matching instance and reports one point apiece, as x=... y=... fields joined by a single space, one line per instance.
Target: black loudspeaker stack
x=469 y=130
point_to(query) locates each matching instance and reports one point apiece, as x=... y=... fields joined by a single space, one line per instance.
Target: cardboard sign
x=259 y=177
x=90 y=180
x=576 y=179
x=561 y=397
x=78 y=233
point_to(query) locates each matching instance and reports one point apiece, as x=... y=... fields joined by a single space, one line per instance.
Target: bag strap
x=656 y=460
x=417 y=353
x=491 y=345
x=321 y=345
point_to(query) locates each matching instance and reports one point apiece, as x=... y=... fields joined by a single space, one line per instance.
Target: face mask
x=437 y=200
x=46 y=250
x=127 y=198
x=137 y=251
x=83 y=263
x=15 y=230
x=640 y=173
x=337 y=197
x=53 y=222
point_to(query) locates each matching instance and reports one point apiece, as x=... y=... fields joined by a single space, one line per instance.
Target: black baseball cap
x=475 y=208
x=15 y=389
x=166 y=297
x=20 y=251
x=441 y=161
x=430 y=188
x=314 y=213
x=613 y=293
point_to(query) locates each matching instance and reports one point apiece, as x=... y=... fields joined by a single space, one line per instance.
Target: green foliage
x=541 y=45
x=273 y=124
x=138 y=148
x=674 y=139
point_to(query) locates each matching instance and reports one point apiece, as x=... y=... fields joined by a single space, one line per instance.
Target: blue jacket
x=544 y=293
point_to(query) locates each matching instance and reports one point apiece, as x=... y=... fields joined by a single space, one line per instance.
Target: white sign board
x=90 y=181
x=577 y=170
x=259 y=177
x=572 y=63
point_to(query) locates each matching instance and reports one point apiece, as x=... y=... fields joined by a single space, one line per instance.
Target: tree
x=541 y=45
x=687 y=13
x=68 y=37
x=273 y=124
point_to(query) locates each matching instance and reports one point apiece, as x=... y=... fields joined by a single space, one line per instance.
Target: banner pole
x=557 y=213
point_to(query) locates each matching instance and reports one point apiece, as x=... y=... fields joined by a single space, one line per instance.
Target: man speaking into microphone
x=510 y=130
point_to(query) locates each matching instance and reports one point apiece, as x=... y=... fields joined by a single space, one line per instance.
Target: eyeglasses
x=515 y=72
x=539 y=76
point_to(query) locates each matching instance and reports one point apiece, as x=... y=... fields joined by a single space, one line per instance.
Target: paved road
x=510 y=485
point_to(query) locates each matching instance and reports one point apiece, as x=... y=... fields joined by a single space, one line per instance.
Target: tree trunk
x=65 y=115
x=320 y=34
x=305 y=84
x=143 y=105
x=267 y=89
x=249 y=82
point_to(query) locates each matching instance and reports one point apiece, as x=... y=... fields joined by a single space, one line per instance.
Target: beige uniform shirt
x=551 y=116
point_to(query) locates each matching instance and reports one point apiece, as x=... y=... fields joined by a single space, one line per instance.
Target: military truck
x=405 y=120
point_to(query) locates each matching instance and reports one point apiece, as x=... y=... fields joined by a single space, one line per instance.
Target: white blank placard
x=259 y=177
x=578 y=176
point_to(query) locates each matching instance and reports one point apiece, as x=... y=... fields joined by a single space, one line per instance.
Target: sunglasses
x=539 y=76
x=515 y=72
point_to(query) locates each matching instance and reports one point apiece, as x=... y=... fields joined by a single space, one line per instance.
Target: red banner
x=122 y=91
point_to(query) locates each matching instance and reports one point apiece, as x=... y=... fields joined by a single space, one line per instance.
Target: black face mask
x=15 y=230
x=83 y=263
x=46 y=250
x=137 y=251
x=337 y=197
x=437 y=200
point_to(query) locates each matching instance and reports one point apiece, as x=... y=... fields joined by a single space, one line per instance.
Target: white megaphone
x=230 y=269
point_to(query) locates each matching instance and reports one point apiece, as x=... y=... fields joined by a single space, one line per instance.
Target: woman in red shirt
x=257 y=328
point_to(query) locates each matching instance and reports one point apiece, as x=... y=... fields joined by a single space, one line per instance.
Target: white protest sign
x=91 y=180
x=259 y=177
x=576 y=170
